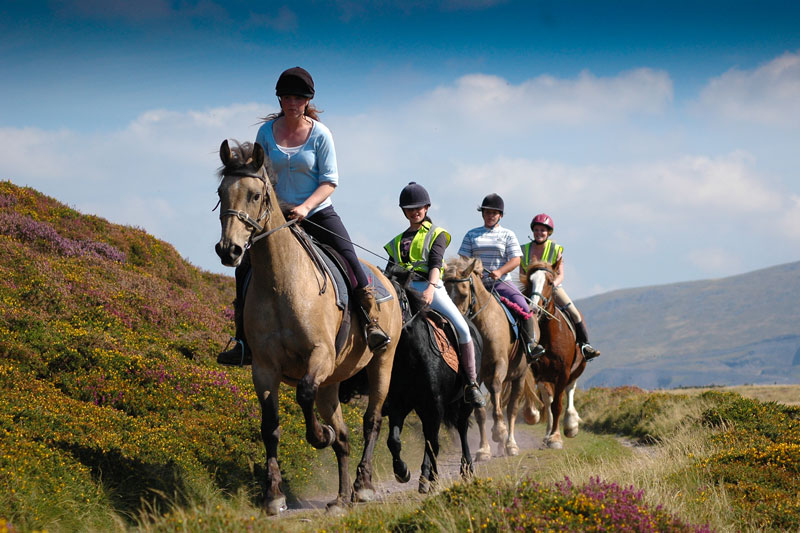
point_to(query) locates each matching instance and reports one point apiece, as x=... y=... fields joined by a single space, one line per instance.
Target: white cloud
x=491 y=102
x=769 y=94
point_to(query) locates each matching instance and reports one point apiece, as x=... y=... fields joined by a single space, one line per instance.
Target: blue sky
x=661 y=137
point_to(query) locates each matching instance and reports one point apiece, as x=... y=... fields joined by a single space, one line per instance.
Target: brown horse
x=291 y=320
x=557 y=371
x=502 y=361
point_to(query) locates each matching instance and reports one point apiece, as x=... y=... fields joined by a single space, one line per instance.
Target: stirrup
x=534 y=353
x=473 y=396
x=592 y=352
x=227 y=357
x=376 y=337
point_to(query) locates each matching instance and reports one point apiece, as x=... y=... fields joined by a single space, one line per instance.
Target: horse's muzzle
x=230 y=254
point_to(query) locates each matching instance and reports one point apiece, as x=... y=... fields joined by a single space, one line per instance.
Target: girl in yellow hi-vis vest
x=420 y=249
x=542 y=248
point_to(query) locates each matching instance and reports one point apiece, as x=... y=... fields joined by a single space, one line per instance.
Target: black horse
x=423 y=382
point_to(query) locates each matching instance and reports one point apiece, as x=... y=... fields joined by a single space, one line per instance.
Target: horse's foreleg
x=484 y=452
x=571 y=418
x=429 y=471
x=467 y=468
x=499 y=429
x=546 y=394
x=317 y=435
x=267 y=391
x=331 y=412
x=396 y=421
x=556 y=407
x=511 y=414
x=379 y=372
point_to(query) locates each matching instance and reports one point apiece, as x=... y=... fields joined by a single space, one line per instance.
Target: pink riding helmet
x=544 y=219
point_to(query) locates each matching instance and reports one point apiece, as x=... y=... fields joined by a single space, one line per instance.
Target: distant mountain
x=738 y=330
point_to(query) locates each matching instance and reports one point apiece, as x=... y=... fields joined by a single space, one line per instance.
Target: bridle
x=545 y=301
x=473 y=300
x=264 y=211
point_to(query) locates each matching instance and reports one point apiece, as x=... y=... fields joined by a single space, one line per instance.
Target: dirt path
x=388 y=488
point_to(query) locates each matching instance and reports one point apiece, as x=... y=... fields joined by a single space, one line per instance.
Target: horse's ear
x=258 y=156
x=225 y=153
x=471 y=266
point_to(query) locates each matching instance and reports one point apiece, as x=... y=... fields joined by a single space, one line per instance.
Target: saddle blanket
x=445 y=345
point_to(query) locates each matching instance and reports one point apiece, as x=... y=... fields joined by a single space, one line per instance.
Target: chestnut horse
x=290 y=322
x=557 y=371
x=502 y=362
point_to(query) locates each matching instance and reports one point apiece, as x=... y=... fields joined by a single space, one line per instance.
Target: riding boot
x=376 y=337
x=472 y=393
x=240 y=354
x=533 y=350
x=582 y=336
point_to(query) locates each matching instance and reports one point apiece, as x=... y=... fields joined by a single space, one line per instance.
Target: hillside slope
x=730 y=331
x=110 y=396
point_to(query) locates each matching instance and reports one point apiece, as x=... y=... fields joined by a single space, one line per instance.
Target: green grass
x=114 y=417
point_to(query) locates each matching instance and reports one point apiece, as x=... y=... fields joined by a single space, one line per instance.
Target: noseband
x=259 y=232
x=473 y=300
x=545 y=301
x=241 y=215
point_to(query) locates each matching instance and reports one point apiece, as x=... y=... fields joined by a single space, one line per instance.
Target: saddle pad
x=446 y=348
x=512 y=320
x=343 y=277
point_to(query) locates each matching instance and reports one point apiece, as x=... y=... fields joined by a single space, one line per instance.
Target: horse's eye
x=257 y=197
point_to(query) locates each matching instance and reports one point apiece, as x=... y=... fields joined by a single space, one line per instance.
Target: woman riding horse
x=301 y=151
x=420 y=249
x=499 y=251
x=543 y=248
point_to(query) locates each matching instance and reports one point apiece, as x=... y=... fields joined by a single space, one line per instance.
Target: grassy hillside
x=731 y=331
x=110 y=398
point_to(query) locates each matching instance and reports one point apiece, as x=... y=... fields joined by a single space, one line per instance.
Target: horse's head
x=245 y=198
x=538 y=283
x=460 y=278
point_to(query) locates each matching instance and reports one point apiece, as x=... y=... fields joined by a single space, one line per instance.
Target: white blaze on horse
x=558 y=370
x=291 y=324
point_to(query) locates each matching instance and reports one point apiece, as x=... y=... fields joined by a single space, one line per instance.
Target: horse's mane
x=242 y=160
x=459 y=263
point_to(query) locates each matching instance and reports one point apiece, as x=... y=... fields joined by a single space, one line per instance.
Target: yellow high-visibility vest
x=552 y=251
x=420 y=247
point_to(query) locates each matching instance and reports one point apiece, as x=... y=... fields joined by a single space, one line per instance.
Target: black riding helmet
x=295 y=81
x=492 y=201
x=414 y=195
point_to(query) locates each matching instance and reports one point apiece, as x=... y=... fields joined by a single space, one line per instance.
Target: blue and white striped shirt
x=495 y=247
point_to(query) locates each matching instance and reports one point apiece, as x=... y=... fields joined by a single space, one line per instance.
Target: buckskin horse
x=291 y=322
x=424 y=382
x=502 y=362
x=558 y=370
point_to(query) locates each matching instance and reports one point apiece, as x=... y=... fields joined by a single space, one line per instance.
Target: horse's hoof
x=483 y=455
x=424 y=485
x=364 y=495
x=335 y=508
x=276 y=506
x=467 y=471
x=401 y=472
x=571 y=432
x=330 y=433
x=512 y=451
x=555 y=445
x=531 y=418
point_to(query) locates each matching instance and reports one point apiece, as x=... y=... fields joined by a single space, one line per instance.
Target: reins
x=473 y=295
